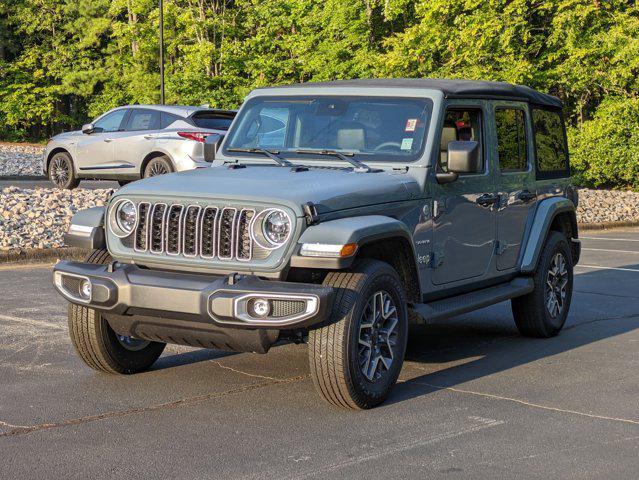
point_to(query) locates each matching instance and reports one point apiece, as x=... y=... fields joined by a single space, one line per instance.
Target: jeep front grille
x=193 y=231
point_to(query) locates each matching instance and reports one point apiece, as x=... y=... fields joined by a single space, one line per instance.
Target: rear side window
x=511 y=139
x=550 y=144
x=212 y=120
x=143 y=120
x=168 y=119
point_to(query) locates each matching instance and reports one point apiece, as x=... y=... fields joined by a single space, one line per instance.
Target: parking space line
x=609 y=250
x=612 y=239
x=597 y=267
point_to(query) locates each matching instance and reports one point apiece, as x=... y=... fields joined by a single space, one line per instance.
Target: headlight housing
x=124 y=218
x=271 y=228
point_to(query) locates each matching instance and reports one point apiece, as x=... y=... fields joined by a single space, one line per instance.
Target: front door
x=516 y=179
x=94 y=151
x=463 y=214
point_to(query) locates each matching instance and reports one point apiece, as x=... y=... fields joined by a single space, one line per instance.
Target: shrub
x=605 y=150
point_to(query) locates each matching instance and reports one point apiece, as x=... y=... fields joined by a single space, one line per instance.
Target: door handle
x=149 y=137
x=487 y=199
x=108 y=140
x=526 y=196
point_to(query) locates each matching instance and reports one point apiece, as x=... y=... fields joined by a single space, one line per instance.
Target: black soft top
x=450 y=88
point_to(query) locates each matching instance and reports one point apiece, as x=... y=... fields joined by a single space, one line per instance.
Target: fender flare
x=545 y=213
x=87 y=229
x=361 y=230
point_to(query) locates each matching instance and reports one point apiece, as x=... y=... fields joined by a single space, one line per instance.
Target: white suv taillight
x=197 y=136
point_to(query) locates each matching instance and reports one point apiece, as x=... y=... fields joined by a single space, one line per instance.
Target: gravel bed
x=20 y=160
x=37 y=219
x=604 y=206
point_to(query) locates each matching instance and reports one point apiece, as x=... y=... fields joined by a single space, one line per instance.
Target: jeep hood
x=329 y=189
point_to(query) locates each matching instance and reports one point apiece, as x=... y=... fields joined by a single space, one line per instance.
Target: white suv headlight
x=124 y=218
x=271 y=228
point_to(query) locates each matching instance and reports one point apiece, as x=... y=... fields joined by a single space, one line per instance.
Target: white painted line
x=609 y=250
x=613 y=239
x=596 y=267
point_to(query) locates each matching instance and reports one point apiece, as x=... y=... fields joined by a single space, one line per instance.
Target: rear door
x=463 y=218
x=142 y=129
x=516 y=179
x=94 y=151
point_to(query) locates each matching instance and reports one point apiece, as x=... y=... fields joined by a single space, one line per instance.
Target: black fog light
x=259 y=307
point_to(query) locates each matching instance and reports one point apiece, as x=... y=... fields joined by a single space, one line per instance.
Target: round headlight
x=126 y=217
x=276 y=227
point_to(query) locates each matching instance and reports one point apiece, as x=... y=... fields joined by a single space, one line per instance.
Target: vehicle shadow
x=189 y=358
x=484 y=344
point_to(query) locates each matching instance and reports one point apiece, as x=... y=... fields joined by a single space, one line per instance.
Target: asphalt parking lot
x=475 y=400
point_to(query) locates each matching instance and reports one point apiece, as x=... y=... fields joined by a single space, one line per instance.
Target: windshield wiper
x=272 y=154
x=359 y=166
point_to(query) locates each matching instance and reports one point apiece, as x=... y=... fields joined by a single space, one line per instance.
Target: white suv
x=132 y=142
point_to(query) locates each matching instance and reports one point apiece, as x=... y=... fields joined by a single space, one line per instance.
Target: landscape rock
x=20 y=159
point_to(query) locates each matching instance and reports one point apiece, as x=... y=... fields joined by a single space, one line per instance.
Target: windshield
x=370 y=128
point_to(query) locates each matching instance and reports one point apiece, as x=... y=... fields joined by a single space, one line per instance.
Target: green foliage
x=65 y=61
x=605 y=150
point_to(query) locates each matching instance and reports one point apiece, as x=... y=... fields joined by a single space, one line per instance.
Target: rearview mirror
x=88 y=128
x=463 y=157
x=211 y=144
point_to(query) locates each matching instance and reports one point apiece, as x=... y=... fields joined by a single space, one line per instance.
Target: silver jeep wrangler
x=333 y=213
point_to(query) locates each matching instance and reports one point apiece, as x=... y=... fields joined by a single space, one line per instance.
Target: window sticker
x=411 y=125
x=407 y=143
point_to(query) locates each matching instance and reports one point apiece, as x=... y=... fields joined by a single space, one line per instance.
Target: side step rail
x=449 y=307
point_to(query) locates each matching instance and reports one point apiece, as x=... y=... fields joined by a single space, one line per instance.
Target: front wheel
x=356 y=358
x=99 y=346
x=61 y=171
x=542 y=313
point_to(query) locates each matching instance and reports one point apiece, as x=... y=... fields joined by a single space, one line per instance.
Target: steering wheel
x=381 y=146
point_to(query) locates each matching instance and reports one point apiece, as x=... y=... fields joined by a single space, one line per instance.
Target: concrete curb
x=607 y=225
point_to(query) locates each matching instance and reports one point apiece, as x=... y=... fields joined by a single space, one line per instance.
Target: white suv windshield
x=370 y=128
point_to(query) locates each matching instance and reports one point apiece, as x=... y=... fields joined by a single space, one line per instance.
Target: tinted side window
x=110 y=122
x=143 y=120
x=464 y=124
x=511 y=139
x=168 y=119
x=550 y=142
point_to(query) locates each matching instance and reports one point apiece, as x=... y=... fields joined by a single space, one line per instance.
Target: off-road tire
x=333 y=348
x=96 y=342
x=158 y=166
x=61 y=172
x=531 y=314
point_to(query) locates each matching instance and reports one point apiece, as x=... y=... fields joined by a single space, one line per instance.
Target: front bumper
x=168 y=297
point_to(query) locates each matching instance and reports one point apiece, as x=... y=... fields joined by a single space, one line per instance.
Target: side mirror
x=463 y=157
x=88 y=128
x=211 y=144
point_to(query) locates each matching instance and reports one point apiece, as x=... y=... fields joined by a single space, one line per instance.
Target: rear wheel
x=158 y=166
x=61 y=171
x=99 y=346
x=542 y=313
x=355 y=359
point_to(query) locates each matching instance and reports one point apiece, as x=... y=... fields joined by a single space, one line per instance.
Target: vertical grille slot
x=191 y=231
x=207 y=245
x=243 y=240
x=226 y=234
x=141 y=241
x=158 y=219
x=173 y=229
